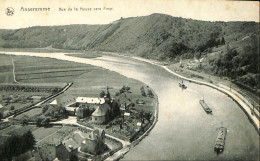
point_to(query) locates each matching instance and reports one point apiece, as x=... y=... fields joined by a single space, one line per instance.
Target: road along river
x=183 y=131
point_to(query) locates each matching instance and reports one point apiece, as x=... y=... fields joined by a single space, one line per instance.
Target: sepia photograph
x=129 y=80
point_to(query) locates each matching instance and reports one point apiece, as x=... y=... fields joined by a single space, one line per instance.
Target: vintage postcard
x=129 y=80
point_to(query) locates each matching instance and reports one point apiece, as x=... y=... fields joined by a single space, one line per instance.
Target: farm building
x=104 y=108
x=126 y=116
x=36 y=98
x=94 y=143
x=72 y=103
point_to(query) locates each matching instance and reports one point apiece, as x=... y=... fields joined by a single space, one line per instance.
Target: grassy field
x=64 y=132
x=88 y=80
x=42 y=132
x=40 y=70
x=30 y=113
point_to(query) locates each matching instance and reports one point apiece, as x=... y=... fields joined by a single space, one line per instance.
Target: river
x=183 y=131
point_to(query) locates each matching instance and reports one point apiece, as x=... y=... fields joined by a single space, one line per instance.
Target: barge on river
x=182 y=85
x=220 y=141
x=205 y=106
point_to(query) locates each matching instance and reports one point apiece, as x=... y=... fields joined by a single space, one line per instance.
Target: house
x=1 y=106
x=36 y=99
x=67 y=148
x=47 y=151
x=94 y=143
x=125 y=103
x=126 y=116
x=101 y=114
x=72 y=103
x=90 y=100
x=64 y=152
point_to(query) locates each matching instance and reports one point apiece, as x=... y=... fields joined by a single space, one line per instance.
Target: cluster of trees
x=143 y=91
x=150 y=93
x=239 y=66
x=1 y=116
x=43 y=121
x=53 y=111
x=146 y=115
x=115 y=110
x=123 y=89
x=214 y=41
x=49 y=113
x=16 y=145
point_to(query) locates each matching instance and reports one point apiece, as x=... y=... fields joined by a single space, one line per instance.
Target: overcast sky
x=208 y=10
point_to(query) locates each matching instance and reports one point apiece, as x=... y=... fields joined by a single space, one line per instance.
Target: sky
x=107 y=11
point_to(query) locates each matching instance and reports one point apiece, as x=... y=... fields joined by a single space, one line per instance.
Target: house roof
x=93 y=100
x=102 y=110
x=56 y=141
x=1 y=106
x=126 y=114
x=54 y=102
x=70 y=144
x=96 y=133
x=36 y=97
x=66 y=99
x=70 y=108
x=79 y=136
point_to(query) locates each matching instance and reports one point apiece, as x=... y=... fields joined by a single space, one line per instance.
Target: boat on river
x=205 y=106
x=182 y=85
x=220 y=141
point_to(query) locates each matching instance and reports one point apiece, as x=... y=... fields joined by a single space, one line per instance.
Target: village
x=101 y=125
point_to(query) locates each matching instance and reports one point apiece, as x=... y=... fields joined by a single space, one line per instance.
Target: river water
x=183 y=131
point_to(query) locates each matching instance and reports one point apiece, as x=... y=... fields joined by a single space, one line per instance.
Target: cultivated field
x=42 y=132
x=29 y=114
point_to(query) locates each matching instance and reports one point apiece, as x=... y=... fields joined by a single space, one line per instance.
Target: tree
x=44 y=108
x=25 y=121
x=222 y=41
x=17 y=144
x=148 y=115
x=121 y=90
x=74 y=157
x=12 y=107
x=150 y=93
x=127 y=88
x=117 y=94
x=102 y=94
x=46 y=121
x=1 y=116
x=29 y=140
x=38 y=121
x=143 y=91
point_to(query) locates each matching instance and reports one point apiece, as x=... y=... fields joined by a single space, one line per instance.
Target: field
x=31 y=113
x=40 y=70
x=42 y=132
x=63 y=132
x=88 y=80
